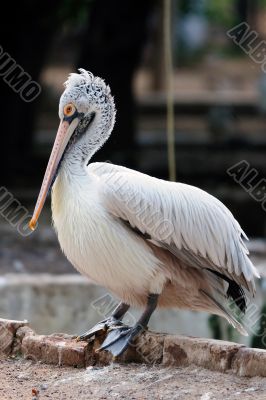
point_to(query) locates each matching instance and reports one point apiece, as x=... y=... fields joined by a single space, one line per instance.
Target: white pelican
x=150 y=242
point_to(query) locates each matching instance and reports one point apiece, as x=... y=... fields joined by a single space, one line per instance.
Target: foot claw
x=118 y=340
x=102 y=326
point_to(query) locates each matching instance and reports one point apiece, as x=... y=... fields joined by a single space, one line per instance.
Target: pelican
x=151 y=242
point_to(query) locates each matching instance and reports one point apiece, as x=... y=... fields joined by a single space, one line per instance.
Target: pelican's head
x=87 y=115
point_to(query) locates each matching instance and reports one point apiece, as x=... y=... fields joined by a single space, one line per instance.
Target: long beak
x=63 y=135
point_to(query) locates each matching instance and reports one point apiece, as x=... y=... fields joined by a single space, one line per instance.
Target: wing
x=193 y=225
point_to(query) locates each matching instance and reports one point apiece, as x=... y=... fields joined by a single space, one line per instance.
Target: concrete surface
x=70 y=303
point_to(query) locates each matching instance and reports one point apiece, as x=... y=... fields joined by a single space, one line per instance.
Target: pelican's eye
x=69 y=110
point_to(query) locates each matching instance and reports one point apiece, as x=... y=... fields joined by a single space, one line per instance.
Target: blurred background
x=219 y=120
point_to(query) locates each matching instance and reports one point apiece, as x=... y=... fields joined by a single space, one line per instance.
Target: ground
x=20 y=379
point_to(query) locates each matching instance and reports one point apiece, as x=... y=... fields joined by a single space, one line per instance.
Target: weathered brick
x=55 y=349
x=8 y=329
x=169 y=350
x=250 y=362
x=207 y=353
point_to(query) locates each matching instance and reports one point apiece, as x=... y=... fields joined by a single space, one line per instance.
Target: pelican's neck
x=78 y=156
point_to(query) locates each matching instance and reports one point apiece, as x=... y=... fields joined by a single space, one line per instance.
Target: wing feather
x=195 y=226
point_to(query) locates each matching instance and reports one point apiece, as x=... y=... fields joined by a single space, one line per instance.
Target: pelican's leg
x=118 y=340
x=112 y=321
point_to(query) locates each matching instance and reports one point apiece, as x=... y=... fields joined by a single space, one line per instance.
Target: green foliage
x=221 y=12
x=74 y=11
x=214 y=324
x=230 y=332
x=262 y=3
x=259 y=340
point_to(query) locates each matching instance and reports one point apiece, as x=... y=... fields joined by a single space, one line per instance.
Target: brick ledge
x=17 y=338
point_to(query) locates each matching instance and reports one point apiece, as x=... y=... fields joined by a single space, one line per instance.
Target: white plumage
x=135 y=234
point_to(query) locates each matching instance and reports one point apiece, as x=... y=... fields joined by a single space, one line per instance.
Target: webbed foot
x=120 y=338
x=101 y=326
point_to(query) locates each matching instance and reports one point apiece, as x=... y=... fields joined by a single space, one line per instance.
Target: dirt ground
x=20 y=379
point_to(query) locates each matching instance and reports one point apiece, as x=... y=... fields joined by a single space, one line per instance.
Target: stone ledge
x=8 y=330
x=213 y=354
x=16 y=337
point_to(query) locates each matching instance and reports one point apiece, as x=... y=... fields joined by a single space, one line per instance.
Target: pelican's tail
x=221 y=310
